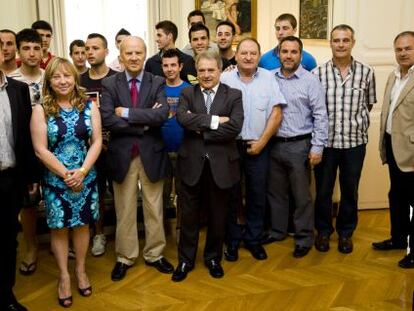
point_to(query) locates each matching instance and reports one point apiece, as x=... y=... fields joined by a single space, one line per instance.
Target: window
x=106 y=17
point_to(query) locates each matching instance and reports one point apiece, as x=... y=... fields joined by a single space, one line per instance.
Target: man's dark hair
x=401 y=34
x=74 y=43
x=169 y=28
x=41 y=24
x=227 y=23
x=291 y=39
x=122 y=32
x=170 y=53
x=8 y=31
x=98 y=35
x=198 y=27
x=195 y=13
x=287 y=17
x=343 y=27
x=28 y=35
x=248 y=39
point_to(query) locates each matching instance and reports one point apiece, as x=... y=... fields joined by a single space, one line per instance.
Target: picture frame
x=94 y=97
x=315 y=19
x=242 y=11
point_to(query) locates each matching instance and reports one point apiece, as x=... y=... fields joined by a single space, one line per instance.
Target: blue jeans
x=350 y=162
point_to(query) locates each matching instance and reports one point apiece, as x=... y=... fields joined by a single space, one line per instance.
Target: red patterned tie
x=134 y=100
x=134 y=93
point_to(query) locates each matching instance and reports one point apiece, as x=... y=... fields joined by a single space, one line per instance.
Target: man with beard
x=297 y=147
x=225 y=33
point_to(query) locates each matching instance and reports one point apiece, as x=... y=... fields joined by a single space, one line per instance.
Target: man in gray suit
x=211 y=114
x=397 y=147
x=133 y=109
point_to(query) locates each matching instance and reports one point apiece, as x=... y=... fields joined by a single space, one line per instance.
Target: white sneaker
x=98 y=247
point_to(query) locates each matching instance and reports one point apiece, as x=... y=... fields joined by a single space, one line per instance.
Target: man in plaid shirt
x=350 y=94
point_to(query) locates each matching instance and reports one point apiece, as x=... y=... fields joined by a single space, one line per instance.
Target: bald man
x=133 y=109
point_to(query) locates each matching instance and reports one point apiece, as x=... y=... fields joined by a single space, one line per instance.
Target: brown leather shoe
x=345 y=245
x=322 y=243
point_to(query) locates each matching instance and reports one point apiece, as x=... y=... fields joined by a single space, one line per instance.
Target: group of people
x=238 y=132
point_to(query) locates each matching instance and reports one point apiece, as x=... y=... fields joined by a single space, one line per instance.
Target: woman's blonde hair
x=78 y=96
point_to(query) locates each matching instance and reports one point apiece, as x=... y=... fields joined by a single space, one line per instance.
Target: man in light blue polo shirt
x=262 y=102
x=285 y=25
x=297 y=147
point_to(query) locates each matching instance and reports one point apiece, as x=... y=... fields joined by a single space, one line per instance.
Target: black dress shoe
x=215 y=268
x=301 y=251
x=161 y=265
x=322 y=243
x=257 y=251
x=345 y=245
x=119 y=271
x=270 y=239
x=232 y=252
x=15 y=306
x=180 y=273
x=407 y=262
x=387 y=245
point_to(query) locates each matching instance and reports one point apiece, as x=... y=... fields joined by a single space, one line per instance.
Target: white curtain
x=53 y=12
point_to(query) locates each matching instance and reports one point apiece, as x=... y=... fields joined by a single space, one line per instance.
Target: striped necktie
x=209 y=99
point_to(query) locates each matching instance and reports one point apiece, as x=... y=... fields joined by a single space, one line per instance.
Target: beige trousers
x=126 y=195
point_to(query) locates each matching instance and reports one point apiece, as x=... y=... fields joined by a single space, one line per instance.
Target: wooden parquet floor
x=363 y=280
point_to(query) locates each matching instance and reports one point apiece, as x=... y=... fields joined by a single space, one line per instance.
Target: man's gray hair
x=209 y=54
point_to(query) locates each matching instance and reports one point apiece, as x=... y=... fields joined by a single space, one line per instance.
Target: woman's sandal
x=84 y=292
x=65 y=302
x=28 y=268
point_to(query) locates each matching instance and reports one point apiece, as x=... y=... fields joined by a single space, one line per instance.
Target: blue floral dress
x=68 y=139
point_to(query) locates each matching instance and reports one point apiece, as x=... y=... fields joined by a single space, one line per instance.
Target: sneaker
x=98 y=247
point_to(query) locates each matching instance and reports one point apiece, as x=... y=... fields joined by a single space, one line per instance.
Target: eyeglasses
x=35 y=92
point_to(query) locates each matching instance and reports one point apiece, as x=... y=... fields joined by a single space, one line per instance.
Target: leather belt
x=290 y=139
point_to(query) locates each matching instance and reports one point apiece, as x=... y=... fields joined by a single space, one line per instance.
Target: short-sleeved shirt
x=35 y=85
x=270 y=60
x=259 y=96
x=347 y=102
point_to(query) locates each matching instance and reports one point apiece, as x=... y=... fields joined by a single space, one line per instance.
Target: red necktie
x=134 y=93
x=134 y=99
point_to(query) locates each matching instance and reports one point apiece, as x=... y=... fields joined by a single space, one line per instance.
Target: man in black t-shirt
x=96 y=52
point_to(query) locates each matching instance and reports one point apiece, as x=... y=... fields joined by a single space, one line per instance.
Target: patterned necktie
x=134 y=93
x=209 y=99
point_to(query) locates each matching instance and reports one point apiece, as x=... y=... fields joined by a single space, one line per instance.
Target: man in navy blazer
x=18 y=169
x=208 y=162
x=133 y=109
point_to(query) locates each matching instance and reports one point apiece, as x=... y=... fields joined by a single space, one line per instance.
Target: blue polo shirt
x=270 y=60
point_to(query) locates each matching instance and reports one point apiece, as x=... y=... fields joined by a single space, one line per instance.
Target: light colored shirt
x=395 y=93
x=259 y=95
x=270 y=60
x=347 y=101
x=116 y=65
x=305 y=112
x=215 y=120
x=7 y=155
x=35 y=85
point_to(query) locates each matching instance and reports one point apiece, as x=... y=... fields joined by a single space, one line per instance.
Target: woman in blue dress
x=66 y=133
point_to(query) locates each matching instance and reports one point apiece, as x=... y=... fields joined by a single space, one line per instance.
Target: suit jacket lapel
x=218 y=101
x=199 y=103
x=144 y=90
x=11 y=92
x=407 y=88
x=123 y=87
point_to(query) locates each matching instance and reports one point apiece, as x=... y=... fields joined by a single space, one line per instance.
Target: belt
x=289 y=139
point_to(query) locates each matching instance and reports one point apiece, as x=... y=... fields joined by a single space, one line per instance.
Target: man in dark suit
x=17 y=170
x=208 y=162
x=133 y=109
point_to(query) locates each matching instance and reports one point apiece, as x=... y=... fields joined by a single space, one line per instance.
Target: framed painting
x=242 y=13
x=315 y=19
